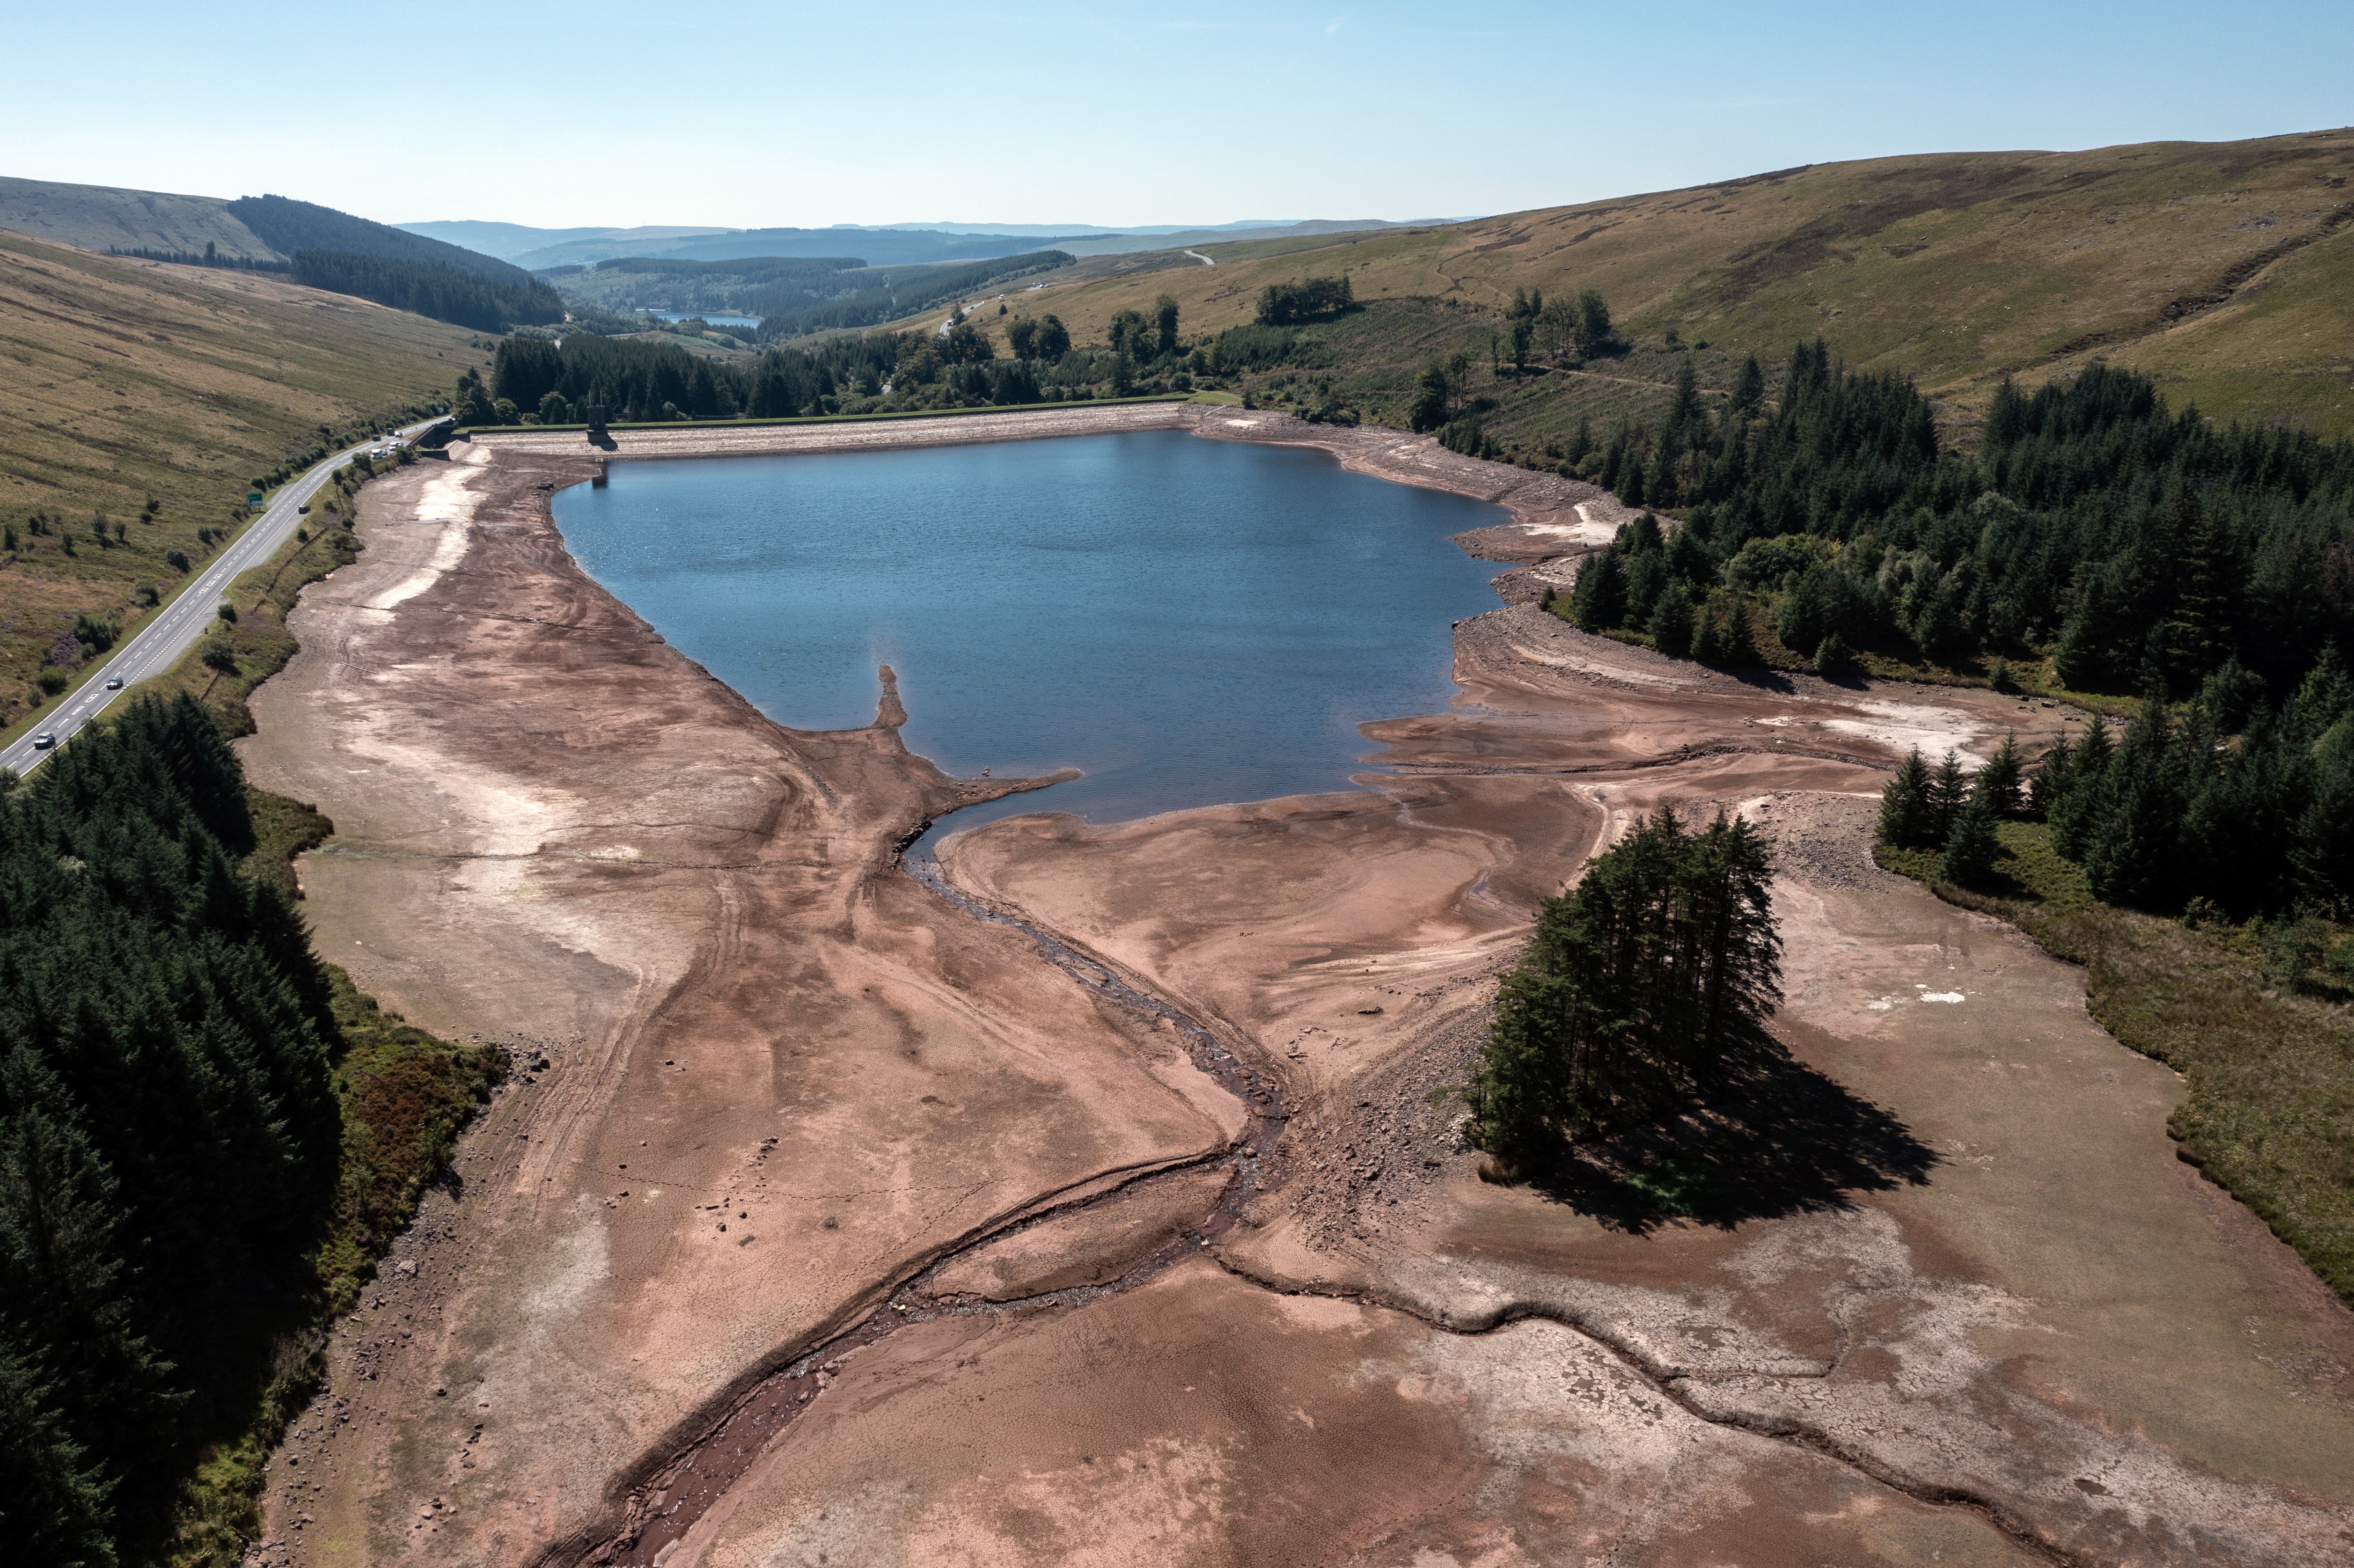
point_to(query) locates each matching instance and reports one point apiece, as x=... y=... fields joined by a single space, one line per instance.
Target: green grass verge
x=2270 y=1111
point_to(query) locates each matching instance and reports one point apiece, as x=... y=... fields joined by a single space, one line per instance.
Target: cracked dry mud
x=1122 y=1224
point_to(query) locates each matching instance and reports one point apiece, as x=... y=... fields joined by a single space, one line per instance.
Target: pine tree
x=1598 y=602
x=2199 y=635
x=1971 y=847
x=1831 y=658
x=55 y=1505
x=1670 y=624
x=1905 y=814
x=1948 y=786
x=1708 y=637
x=2323 y=859
x=2082 y=796
x=2129 y=850
x=1740 y=644
x=1998 y=780
x=1749 y=392
x=1630 y=482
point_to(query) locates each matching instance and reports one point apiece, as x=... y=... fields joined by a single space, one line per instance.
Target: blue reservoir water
x=1188 y=622
x=717 y=318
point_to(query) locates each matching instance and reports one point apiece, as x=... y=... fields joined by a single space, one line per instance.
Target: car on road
x=114 y=682
x=303 y=510
x=44 y=740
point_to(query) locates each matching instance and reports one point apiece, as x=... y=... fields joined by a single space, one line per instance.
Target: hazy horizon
x=1049 y=113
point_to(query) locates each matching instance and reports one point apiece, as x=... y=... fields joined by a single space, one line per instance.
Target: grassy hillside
x=128 y=382
x=97 y=218
x=2225 y=270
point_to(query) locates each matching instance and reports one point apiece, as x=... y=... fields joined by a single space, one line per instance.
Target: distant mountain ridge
x=890 y=244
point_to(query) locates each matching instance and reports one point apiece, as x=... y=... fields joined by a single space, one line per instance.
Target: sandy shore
x=2026 y=1333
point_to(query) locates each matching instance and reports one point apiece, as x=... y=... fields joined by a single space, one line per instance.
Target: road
x=171 y=631
x=1202 y=259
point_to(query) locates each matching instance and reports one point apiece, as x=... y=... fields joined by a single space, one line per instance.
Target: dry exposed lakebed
x=1091 y=1200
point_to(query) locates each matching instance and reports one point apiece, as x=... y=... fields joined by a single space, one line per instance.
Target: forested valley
x=205 y=1136
x=792 y=296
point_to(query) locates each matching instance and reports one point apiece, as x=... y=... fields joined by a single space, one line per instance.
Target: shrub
x=97 y=633
x=52 y=680
x=219 y=655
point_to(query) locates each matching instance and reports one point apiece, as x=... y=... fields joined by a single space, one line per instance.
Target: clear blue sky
x=746 y=115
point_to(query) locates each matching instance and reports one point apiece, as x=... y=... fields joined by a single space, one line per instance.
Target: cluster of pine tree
x=1664 y=586
x=2128 y=544
x=638 y=379
x=1305 y=299
x=168 y=1134
x=2224 y=801
x=1952 y=812
x=1644 y=988
x=430 y=289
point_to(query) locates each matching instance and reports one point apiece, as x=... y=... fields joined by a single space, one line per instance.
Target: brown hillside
x=2226 y=270
x=123 y=380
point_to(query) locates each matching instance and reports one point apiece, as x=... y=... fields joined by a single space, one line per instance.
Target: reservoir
x=716 y=318
x=1188 y=622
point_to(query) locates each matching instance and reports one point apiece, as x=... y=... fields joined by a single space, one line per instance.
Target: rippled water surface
x=1187 y=620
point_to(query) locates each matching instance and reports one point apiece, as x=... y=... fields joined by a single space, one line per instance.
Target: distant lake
x=1189 y=622
x=718 y=319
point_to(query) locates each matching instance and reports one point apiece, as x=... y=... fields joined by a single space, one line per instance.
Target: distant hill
x=1162 y=240
x=879 y=246
x=884 y=244
x=290 y=226
x=101 y=218
x=510 y=241
x=2224 y=269
x=315 y=245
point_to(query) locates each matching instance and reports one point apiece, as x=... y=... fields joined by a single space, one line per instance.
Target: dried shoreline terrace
x=1094 y=1207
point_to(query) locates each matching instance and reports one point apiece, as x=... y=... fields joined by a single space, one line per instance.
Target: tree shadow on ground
x=1761 y=678
x=1785 y=1139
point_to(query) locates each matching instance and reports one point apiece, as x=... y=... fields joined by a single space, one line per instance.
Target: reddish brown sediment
x=2060 y=1345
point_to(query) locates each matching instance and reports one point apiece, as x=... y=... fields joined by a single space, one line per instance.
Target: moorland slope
x=131 y=382
x=104 y=217
x=2224 y=269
